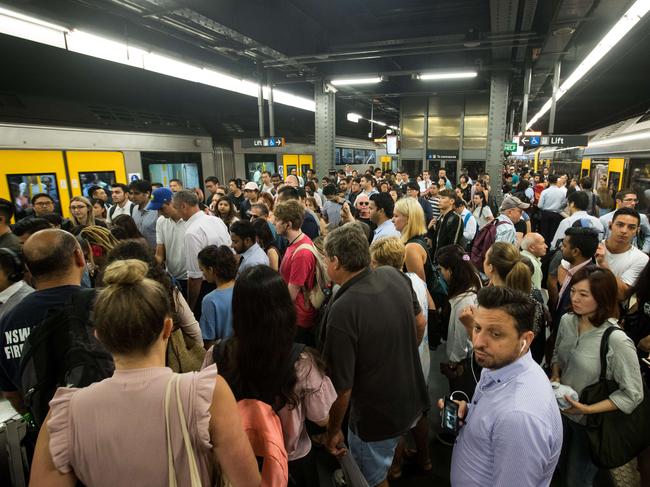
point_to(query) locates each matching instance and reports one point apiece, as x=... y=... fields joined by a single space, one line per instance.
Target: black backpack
x=62 y=352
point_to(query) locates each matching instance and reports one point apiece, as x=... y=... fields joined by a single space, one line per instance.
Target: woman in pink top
x=114 y=431
x=264 y=325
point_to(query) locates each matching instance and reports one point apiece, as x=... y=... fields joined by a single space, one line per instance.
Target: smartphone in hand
x=450 y=417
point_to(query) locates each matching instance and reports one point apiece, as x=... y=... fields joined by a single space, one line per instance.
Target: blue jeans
x=374 y=458
x=579 y=470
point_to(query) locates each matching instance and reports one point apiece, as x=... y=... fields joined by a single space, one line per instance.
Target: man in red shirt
x=298 y=266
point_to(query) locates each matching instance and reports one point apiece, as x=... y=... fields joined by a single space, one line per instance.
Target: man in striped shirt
x=434 y=200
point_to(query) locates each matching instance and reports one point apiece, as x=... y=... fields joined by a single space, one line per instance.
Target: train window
x=256 y=164
x=23 y=186
x=337 y=156
x=160 y=167
x=614 y=178
x=101 y=179
x=371 y=157
x=347 y=156
x=639 y=174
x=359 y=156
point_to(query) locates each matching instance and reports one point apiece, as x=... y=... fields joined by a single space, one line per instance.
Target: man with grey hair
x=201 y=230
x=533 y=247
x=371 y=348
x=56 y=262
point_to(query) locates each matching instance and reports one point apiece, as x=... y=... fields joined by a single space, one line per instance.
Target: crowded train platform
x=429 y=268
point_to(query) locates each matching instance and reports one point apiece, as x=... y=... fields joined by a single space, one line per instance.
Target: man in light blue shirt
x=381 y=214
x=245 y=244
x=553 y=198
x=512 y=432
x=144 y=218
x=627 y=198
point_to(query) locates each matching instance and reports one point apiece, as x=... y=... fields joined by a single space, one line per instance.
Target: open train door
x=90 y=168
x=28 y=172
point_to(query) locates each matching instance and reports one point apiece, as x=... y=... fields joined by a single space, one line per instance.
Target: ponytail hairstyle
x=130 y=311
x=464 y=276
x=510 y=266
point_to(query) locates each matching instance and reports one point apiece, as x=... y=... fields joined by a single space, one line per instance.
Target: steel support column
x=269 y=78
x=461 y=142
x=425 y=144
x=524 y=109
x=325 y=132
x=497 y=132
x=260 y=108
x=556 y=86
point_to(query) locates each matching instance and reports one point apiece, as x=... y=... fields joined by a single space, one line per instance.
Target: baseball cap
x=510 y=202
x=159 y=197
x=251 y=186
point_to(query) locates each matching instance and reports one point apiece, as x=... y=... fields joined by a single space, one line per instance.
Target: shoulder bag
x=195 y=476
x=615 y=438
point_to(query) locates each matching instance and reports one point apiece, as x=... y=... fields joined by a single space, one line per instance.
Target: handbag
x=615 y=438
x=183 y=353
x=195 y=476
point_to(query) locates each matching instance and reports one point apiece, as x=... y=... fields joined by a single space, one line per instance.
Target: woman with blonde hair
x=81 y=212
x=144 y=406
x=408 y=218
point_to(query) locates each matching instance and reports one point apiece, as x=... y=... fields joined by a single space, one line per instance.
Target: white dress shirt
x=203 y=230
x=171 y=234
x=386 y=229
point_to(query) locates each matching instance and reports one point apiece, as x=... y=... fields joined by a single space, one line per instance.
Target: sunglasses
x=363 y=203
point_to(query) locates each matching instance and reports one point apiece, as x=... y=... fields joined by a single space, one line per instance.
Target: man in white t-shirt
x=170 y=237
x=617 y=252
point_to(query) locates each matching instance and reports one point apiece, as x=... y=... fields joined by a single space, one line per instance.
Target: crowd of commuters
x=327 y=313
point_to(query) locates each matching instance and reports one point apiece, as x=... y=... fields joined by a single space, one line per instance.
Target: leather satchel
x=615 y=438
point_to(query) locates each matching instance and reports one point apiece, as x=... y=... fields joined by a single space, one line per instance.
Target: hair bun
x=125 y=272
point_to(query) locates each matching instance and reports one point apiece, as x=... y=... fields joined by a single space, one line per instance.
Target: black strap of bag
x=604 y=348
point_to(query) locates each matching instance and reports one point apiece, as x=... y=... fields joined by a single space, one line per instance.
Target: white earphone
x=523 y=346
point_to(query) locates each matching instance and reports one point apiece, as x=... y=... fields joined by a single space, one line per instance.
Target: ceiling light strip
x=30 y=28
x=625 y=24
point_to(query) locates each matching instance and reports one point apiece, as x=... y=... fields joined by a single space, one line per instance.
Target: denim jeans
x=578 y=469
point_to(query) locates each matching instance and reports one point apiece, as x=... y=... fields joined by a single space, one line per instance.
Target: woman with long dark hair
x=226 y=210
x=256 y=363
x=482 y=211
x=267 y=241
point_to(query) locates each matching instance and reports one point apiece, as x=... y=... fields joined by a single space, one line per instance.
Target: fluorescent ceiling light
x=356 y=81
x=354 y=117
x=629 y=19
x=382 y=124
x=450 y=75
x=33 y=29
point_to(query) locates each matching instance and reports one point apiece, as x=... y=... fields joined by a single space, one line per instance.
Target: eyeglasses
x=363 y=203
x=75 y=208
x=44 y=203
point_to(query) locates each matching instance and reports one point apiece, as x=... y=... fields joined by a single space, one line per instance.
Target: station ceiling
x=303 y=42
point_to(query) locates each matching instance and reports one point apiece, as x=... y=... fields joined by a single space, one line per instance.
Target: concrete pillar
x=325 y=130
x=497 y=132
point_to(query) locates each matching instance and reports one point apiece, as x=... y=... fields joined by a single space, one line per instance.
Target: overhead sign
x=442 y=154
x=391 y=144
x=565 y=140
x=532 y=132
x=553 y=140
x=510 y=146
x=268 y=142
x=530 y=140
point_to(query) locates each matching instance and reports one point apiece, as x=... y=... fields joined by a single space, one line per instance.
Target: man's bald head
x=52 y=253
x=292 y=180
x=535 y=244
